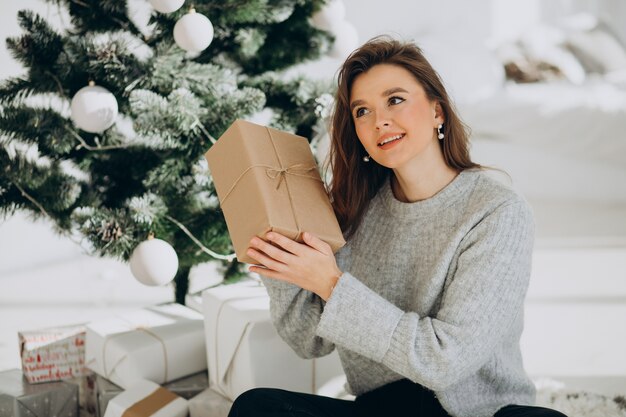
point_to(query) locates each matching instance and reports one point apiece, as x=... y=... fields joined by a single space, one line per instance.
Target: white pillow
x=594 y=43
x=598 y=50
x=544 y=43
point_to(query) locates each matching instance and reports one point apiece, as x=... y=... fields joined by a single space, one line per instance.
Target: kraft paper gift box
x=161 y=344
x=209 y=404
x=267 y=179
x=19 y=398
x=53 y=354
x=144 y=399
x=244 y=350
x=186 y=387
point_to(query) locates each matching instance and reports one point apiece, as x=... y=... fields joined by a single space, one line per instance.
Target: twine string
x=283 y=172
x=108 y=373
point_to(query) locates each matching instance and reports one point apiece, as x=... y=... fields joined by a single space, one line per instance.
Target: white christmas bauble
x=330 y=16
x=94 y=108
x=346 y=41
x=193 y=32
x=166 y=6
x=154 y=262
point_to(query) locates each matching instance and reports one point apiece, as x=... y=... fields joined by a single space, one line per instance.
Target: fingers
x=269 y=251
x=286 y=243
x=265 y=260
x=317 y=243
x=267 y=273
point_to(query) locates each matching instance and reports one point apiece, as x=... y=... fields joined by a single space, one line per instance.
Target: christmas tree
x=137 y=167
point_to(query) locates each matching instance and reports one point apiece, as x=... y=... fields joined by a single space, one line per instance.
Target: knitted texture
x=432 y=291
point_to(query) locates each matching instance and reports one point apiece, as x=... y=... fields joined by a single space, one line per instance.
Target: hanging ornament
x=154 y=262
x=166 y=6
x=330 y=17
x=193 y=32
x=346 y=41
x=94 y=108
x=282 y=13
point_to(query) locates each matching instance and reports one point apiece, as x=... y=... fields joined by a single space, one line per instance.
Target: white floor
x=575 y=316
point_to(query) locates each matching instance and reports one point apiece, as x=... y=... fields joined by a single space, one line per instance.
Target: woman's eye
x=360 y=112
x=395 y=100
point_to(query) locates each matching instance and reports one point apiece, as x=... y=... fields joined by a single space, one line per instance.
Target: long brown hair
x=355 y=183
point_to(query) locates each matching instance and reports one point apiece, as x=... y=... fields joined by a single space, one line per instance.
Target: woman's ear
x=438 y=113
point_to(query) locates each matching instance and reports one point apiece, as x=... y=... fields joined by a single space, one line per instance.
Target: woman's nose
x=382 y=119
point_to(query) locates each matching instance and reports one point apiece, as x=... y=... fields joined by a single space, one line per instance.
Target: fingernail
x=269 y=235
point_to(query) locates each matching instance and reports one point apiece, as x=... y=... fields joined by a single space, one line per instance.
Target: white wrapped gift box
x=244 y=350
x=159 y=344
x=147 y=399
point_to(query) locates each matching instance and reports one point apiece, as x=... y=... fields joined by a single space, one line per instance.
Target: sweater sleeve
x=480 y=301
x=296 y=314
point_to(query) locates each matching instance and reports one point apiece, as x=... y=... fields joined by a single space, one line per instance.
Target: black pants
x=400 y=398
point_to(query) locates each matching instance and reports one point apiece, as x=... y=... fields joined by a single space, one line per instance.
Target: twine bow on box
x=295 y=169
x=274 y=172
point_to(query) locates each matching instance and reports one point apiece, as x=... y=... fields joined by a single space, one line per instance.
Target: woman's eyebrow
x=393 y=90
x=356 y=103
x=385 y=93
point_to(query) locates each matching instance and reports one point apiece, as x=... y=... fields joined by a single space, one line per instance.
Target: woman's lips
x=392 y=143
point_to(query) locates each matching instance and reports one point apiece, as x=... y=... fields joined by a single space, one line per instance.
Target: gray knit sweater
x=432 y=291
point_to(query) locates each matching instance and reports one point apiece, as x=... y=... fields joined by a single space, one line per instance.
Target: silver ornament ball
x=154 y=262
x=193 y=32
x=94 y=109
x=166 y=6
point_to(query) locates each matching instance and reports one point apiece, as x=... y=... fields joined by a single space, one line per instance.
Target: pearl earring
x=439 y=132
x=366 y=158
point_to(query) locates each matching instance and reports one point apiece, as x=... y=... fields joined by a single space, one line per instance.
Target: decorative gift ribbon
x=151 y=404
x=243 y=333
x=273 y=172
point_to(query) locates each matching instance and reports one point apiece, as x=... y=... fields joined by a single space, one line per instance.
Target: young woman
x=425 y=302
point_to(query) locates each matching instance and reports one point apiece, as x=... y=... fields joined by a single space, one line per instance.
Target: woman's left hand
x=311 y=266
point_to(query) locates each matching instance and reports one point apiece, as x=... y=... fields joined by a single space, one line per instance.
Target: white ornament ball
x=193 y=32
x=166 y=6
x=330 y=16
x=346 y=41
x=154 y=262
x=94 y=109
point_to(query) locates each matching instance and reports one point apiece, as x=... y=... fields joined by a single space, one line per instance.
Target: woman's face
x=394 y=119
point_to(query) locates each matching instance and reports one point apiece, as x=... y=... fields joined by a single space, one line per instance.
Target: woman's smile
x=389 y=140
